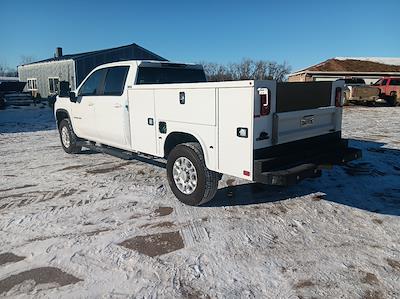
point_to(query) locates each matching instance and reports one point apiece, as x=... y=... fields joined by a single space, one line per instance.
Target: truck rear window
x=163 y=75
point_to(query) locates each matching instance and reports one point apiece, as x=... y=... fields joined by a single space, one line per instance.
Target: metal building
x=43 y=76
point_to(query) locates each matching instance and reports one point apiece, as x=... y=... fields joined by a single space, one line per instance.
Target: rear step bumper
x=291 y=169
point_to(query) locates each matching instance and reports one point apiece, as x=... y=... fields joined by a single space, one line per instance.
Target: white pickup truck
x=263 y=131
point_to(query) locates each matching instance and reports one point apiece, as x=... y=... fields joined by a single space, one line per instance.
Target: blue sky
x=301 y=32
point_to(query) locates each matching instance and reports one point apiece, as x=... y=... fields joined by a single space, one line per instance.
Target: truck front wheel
x=189 y=178
x=68 y=137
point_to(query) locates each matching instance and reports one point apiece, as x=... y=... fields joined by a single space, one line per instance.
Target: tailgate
x=362 y=92
x=304 y=110
x=296 y=125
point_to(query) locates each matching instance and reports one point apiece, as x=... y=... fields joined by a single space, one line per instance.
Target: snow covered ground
x=92 y=225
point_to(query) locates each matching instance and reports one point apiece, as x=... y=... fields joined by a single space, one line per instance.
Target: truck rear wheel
x=68 y=137
x=393 y=99
x=189 y=178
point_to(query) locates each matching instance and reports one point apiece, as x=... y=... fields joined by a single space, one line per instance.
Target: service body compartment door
x=186 y=105
x=235 y=117
x=142 y=121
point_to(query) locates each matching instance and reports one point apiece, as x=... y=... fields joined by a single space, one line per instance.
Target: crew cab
x=263 y=131
x=389 y=89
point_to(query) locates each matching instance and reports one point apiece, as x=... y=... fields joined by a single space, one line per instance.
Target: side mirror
x=64 y=89
x=72 y=97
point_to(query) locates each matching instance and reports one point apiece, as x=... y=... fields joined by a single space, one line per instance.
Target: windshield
x=162 y=75
x=377 y=82
x=354 y=81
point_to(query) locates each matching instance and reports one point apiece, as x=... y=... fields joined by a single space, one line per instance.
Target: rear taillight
x=338 y=97
x=265 y=107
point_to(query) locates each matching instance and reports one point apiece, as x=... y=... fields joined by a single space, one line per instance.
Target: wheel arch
x=177 y=137
x=61 y=114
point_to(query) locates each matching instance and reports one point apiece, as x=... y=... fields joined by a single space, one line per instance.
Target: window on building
x=91 y=85
x=32 y=83
x=53 y=85
x=115 y=80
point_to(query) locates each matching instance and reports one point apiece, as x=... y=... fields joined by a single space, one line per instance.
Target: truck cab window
x=395 y=82
x=115 y=80
x=91 y=85
x=164 y=75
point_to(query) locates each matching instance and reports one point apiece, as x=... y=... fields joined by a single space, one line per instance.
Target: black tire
x=207 y=180
x=393 y=99
x=72 y=148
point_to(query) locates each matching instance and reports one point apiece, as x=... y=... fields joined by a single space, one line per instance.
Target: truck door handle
x=117 y=105
x=90 y=104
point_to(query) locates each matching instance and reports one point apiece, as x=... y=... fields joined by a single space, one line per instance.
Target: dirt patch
x=19 y=187
x=156 y=244
x=373 y=295
x=163 y=211
x=304 y=284
x=377 y=221
x=369 y=278
x=107 y=169
x=319 y=197
x=189 y=292
x=141 y=172
x=394 y=264
x=9 y=257
x=45 y=275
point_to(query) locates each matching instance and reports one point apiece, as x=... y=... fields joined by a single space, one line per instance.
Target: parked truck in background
x=263 y=131
x=11 y=93
x=389 y=89
x=357 y=92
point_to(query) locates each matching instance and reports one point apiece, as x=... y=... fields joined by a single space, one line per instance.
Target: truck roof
x=151 y=63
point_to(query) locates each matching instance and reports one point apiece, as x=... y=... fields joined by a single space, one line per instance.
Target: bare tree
x=26 y=59
x=6 y=71
x=248 y=69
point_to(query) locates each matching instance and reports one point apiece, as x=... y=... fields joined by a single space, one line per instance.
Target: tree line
x=247 y=69
x=6 y=71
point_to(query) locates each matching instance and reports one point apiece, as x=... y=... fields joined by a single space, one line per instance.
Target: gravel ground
x=92 y=225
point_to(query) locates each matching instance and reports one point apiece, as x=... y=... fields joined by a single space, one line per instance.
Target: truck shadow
x=371 y=183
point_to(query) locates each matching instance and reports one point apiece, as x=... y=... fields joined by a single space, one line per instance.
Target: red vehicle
x=390 y=89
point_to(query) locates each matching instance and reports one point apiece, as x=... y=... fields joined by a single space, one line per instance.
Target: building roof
x=354 y=65
x=85 y=54
x=3 y=79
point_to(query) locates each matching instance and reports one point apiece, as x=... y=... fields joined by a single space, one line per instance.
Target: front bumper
x=291 y=168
